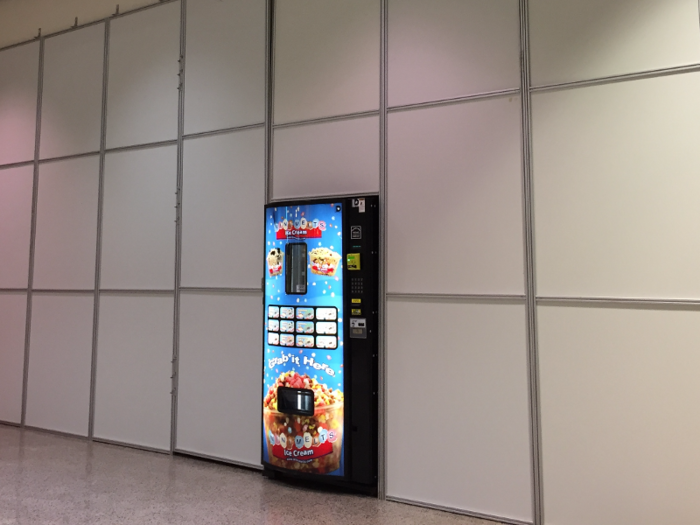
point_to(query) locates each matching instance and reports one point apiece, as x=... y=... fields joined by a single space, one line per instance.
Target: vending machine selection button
x=356 y=311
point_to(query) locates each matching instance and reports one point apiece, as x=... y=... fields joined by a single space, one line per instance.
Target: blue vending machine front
x=304 y=380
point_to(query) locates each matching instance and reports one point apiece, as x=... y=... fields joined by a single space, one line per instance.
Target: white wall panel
x=457 y=406
x=71 y=104
x=225 y=83
x=582 y=39
x=19 y=81
x=455 y=199
x=616 y=185
x=330 y=158
x=134 y=353
x=620 y=422
x=223 y=195
x=450 y=48
x=66 y=229
x=219 y=375
x=138 y=232
x=60 y=357
x=13 y=312
x=144 y=49
x=15 y=225
x=326 y=58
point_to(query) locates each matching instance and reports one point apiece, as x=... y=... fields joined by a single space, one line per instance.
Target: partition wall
x=537 y=165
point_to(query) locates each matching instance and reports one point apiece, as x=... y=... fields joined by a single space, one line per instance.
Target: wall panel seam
x=178 y=227
x=530 y=273
x=615 y=79
x=321 y=120
x=32 y=235
x=383 y=181
x=456 y=100
x=98 y=238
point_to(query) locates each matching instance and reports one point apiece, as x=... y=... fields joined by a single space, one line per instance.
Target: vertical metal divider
x=32 y=235
x=269 y=94
x=98 y=243
x=529 y=255
x=383 y=80
x=178 y=228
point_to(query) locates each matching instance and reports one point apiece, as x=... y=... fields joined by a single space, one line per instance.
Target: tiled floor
x=50 y=479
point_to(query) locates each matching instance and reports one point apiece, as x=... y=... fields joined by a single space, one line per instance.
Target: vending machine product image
x=320 y=341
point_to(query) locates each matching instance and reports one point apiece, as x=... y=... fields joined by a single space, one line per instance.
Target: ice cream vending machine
x=320 y=346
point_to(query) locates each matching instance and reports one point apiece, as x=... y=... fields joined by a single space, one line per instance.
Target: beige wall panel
x=330 y=158
x=13 y=312
x=326 y=58
x=220 y=370
x=60 y=360
x=225 y=80
x=457 y=406
x=455 y=199
x=134 y=365
x=223 y=197
x=616 y=189
x=15 y=225
x=142 y=95
x=583 y=39
x=620 y=421
x=66 y=229
x=71 y=103
x=451 y=48
x=19 y=81
x=138 y=232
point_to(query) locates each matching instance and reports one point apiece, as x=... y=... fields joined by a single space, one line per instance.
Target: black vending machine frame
x=360 y=356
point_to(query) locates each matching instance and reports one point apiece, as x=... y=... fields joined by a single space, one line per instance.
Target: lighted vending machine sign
x=304 y=384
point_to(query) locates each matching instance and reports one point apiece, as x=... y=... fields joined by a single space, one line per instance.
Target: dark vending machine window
x=295 y=273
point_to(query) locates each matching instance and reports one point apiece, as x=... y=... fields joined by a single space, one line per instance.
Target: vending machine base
x=320 y=342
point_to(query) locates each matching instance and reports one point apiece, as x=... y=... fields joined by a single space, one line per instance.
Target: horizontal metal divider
x=12 y=165
x=455 y=100
x=116 y=291
x=69 y=157
x=90 y=291
x=619 y=301
x=60 y=433
x=233 y=462
x=147 y=145
x=194 y=289
x=320 y=120
x=222 y=131
x=321 y=197
x=10 y=424
x=613 y=79
x=453 y=510
x=143 y=448
x=11 y=290
x=464 y=297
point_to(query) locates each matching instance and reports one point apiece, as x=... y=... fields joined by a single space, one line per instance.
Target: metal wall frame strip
x=32 y=235
x=620 y=302
x=456 y=100
x=178 y=226
x=226 y=461
x=383 y=176
x=454 y=510
x=501 y=298
x=269 y=93
x=98 y=243
x=529 y=259
x=334 y=118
